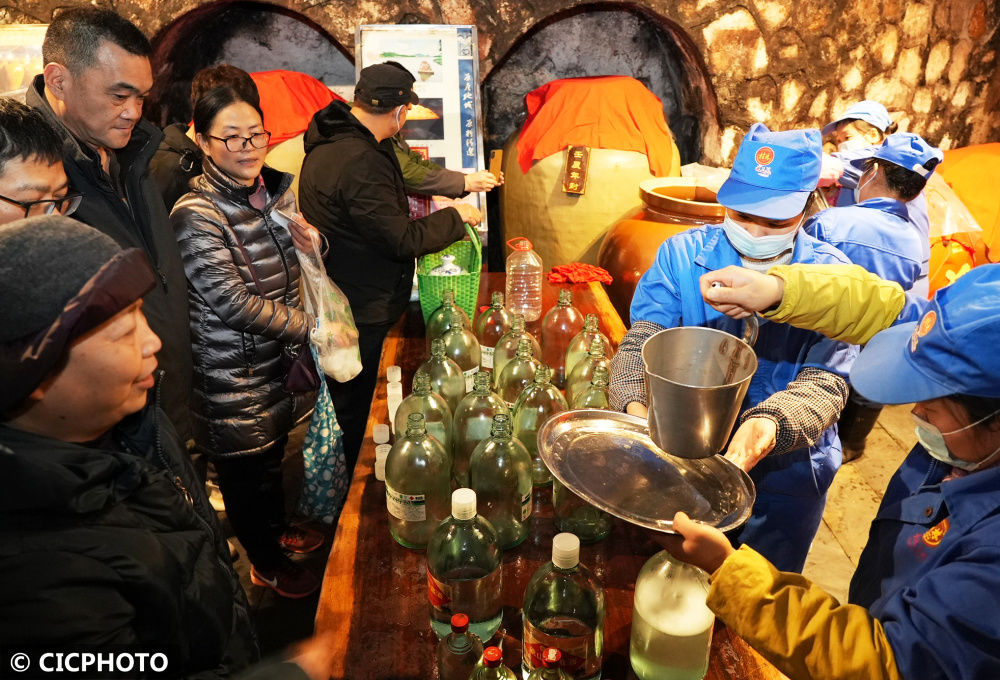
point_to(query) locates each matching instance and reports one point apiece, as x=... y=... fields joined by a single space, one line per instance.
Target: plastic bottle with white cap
x=564 y=608
x=463 y=569
x=380 y=435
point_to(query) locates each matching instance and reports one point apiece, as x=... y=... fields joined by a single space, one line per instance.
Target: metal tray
x=608 y=459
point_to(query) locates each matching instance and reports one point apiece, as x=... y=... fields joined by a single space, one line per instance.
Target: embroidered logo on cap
x=764 y=156
x=923 y=328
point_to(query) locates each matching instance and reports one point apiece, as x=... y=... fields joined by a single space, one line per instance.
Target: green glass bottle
x=434 y=409
x=579 y=346
x=561 y=324
x=579 y=379
x=564 y=608
x=459 y=651
x=576 y=516
x=446 y=377
x=595 y=396
x=492 y=667
x=417 y=485
x=551 y=666
x=537 y=402
x=500 y=474
x=491 y=325
x=463 y=569
x=517 y=374
x=461 y=346
x=472 y=423
x=506 y=347
x=439 y=321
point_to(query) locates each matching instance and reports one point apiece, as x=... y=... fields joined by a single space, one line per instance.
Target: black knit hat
x=385 y=86
x=58 y=279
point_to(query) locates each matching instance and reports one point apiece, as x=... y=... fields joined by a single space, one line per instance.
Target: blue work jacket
x=877 y=235
x=668 y=294
x=930 y=572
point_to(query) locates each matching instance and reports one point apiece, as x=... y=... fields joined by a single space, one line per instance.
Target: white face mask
x=857 y=189
x=399 y=126
x=932 y=439
x=758 y=247
x=855 y=144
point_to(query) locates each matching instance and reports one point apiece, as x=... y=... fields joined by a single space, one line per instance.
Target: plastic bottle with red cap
x=551 y=668
x=524 y=279
x=492 y=667
x=459 y=651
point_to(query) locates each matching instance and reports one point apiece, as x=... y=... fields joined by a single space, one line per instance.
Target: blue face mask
x=932 y=439
x=758 y=247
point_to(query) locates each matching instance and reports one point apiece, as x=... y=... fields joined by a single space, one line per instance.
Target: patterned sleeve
x=804 y=410
x=628 y=382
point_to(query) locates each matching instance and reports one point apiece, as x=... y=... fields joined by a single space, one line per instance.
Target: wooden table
x=374 y=593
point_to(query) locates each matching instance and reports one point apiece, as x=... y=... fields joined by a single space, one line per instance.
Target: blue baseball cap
x=909 y=151
x=952 y=349
x=774 y=172
x=869 y=111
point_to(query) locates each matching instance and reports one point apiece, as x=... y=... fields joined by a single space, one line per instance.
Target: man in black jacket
x=106 y=536
x=96 y=76
x=352 y=189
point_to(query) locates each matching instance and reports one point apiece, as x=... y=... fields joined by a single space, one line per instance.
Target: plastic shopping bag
x=335 y=336
x=325 y=483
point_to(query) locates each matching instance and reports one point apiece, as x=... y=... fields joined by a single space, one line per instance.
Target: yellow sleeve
x=797 y=626
x=842 y=301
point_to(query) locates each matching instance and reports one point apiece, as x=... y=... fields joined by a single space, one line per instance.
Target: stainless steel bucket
x=696 y=379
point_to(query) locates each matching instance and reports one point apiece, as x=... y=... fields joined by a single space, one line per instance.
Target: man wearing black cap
x=352 y=189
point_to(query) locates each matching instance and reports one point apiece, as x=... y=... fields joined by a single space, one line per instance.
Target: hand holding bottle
x=695 y=543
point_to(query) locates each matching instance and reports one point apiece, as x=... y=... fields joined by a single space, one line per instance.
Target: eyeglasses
x=258 y=140
x=46 y=206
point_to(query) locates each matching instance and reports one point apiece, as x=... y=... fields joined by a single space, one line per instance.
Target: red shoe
x=288 y=580
x=301 y=540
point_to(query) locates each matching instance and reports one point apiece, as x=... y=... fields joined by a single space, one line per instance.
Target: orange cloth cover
x=289 y=99
x=974 y=173
x=607 y=112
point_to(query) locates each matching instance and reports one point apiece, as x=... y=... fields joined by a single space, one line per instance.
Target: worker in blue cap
x=877 y=234
x=863 y=124
x=786 y=438
x=924 y=598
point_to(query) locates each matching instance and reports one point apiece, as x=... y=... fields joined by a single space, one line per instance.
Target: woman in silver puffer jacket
x=247 y=323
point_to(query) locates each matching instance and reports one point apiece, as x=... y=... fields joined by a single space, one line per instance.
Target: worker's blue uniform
x=877 y=235
x=930 y=572
x=791 y=487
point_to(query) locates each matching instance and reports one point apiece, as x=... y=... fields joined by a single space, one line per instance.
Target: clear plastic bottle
x=595 y=396
x=461 y=346
x=671 y=624
x=490 y=326
x=472 y=423
x=517 y=374
x=439 y=321
x=446 y=376
x=500 y=474
x=576 y=516
x=551 y=668
x=579 y=346
x=506 y=347
x=463 y=569
x=492 y=667
x=537 y=402
x=564 y=608
x=579 y=379
x=434 y=409
x=561 y=324
x=524 y=279
x=417 y=485
x=459 y=651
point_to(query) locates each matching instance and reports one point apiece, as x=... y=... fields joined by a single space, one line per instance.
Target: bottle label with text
x=406 y=506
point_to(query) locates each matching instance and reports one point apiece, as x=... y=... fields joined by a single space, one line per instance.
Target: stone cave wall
x=933 y=63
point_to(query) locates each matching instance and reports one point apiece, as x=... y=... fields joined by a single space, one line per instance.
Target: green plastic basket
x=469 y=256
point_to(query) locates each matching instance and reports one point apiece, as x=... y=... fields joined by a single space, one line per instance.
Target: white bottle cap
x=463 y=503
x=380 y=433
x=394 y=374
x=381 y=453
x=394 y=389
x=566 y=551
